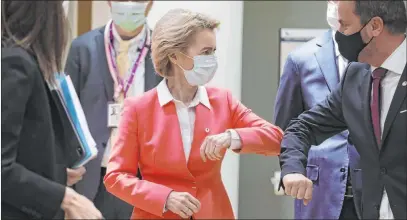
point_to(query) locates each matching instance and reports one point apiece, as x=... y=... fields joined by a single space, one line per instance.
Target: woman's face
x=204 y=43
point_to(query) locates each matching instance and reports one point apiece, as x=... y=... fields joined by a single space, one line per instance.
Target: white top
x=341 y=61
x=395 y=64
x=186 y=115
x=138 y=85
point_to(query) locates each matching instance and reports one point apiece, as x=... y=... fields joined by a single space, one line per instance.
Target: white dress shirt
x=395 y=64
x=341 y=62
x=137 y=87
x=186 y=115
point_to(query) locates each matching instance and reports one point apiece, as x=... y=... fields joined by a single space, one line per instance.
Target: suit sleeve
x=21 y=188
x=73 y=67
x=317 y=124
x=289 y=100
x=256 y=134
x=121 y=176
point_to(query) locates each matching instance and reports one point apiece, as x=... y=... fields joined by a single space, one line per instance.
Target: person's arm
x=315 y=125
x=21 y=188
x=121 y=179
x=289 y=100
x=255 y=134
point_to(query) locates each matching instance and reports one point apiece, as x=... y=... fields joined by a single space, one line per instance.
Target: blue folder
x=89 y=150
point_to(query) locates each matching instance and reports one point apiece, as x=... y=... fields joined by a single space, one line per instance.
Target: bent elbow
x=278 y=133
x=274 y=144
x=109 y=181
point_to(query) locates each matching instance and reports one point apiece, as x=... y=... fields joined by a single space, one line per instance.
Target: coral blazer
x=149 y=138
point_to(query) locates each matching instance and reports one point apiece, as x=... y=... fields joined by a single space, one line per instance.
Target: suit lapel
x=174 y=135
x=203 y=127
x=327 y=60
x=365 y=89
x=104 y=68
x=398 y=98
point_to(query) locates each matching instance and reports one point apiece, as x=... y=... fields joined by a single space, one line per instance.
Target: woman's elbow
x=278 y=133
x=273 y=143
x=109 y=180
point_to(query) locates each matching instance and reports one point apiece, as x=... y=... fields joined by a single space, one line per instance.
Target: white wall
x=100 y=13
x=229 y=50
x=73 y=17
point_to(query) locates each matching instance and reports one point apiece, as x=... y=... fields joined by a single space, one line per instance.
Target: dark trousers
x=348 y=210
x=110 y=206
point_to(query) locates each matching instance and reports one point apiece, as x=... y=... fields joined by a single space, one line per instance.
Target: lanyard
x=120 y=85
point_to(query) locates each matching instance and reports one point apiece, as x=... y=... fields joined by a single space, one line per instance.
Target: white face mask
x=65 y=5
x=332 y=16
x=129 y=15
x=204 y=70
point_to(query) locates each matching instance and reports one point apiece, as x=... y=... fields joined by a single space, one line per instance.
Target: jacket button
x=383 y=170
x=104 y=144
x=343 y=170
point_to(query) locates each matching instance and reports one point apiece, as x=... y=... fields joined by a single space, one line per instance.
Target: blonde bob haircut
x=173 y=33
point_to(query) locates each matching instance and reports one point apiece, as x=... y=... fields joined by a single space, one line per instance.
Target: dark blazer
x=348 y=107
x=33 y=151
x=309 y=75
x=89 y=71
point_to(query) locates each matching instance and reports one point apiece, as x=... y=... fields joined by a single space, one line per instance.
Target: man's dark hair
x=40 y=27
x=392 y=12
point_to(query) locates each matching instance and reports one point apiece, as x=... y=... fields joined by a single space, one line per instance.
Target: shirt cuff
x=165 y=205
x=235 y=142
x=165 y=209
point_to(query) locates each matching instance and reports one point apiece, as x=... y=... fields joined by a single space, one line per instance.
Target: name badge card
x=113 y=114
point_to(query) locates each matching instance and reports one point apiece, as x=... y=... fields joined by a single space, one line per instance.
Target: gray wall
x=261 y=23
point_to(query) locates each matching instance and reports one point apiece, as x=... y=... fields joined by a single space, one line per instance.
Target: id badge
x=113 y=115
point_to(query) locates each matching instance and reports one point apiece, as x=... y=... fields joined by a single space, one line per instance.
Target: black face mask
x=350 y=46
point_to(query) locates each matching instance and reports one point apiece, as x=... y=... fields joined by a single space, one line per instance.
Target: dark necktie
x=375 y=108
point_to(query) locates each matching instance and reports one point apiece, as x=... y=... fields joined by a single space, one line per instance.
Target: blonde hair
x=173 y=33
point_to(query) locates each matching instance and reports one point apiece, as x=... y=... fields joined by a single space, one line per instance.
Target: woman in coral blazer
x=178 y=133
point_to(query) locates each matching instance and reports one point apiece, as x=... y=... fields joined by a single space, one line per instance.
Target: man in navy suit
x=370 y=102
x=311 y=72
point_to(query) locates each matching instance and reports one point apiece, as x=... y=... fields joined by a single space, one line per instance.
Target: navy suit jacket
x=89 y=71
x=310 y=74
x=348 y=107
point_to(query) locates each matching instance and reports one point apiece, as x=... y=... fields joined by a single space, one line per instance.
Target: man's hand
x=77 y=206
x=183 y=204
x=74 y=175
x=213 y=144
x=298 y=186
